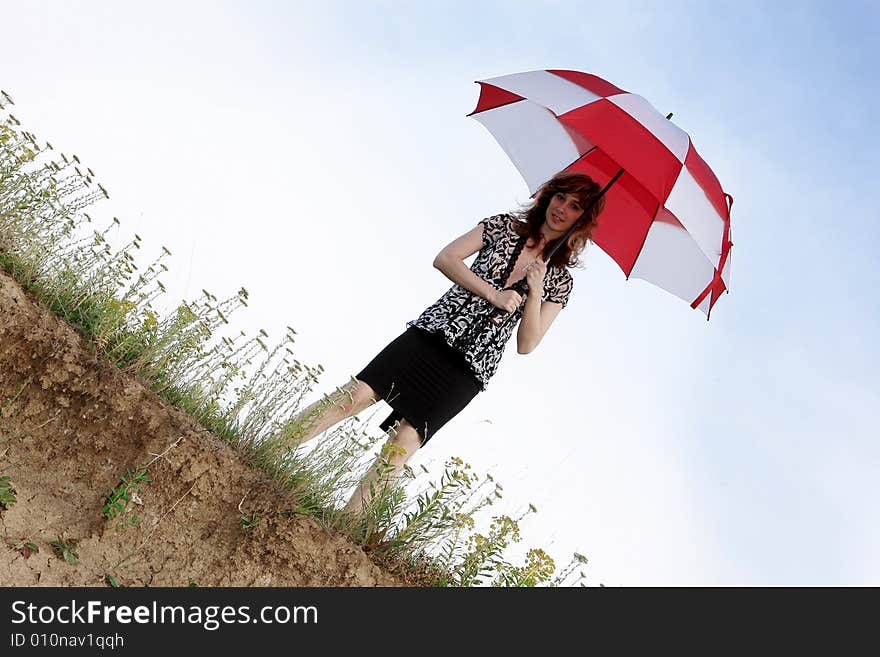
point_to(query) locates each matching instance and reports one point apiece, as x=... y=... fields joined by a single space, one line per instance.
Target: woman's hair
x=532 y=217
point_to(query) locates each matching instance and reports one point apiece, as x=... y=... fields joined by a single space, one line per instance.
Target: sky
x=320 y=155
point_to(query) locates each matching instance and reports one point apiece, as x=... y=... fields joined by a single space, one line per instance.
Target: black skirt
x=423 y=379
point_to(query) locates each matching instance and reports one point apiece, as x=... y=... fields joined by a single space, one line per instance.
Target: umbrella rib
x=488 y=109
x=580 y=157
x=572 y=163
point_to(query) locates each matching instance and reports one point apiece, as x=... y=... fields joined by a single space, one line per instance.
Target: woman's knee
x=362 y=395
x=407 y=439
x=355 y=396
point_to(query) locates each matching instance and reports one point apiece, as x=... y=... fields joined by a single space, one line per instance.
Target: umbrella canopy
x=666 y=218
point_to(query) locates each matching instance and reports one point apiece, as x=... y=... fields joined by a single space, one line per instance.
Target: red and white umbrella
x=666 y=217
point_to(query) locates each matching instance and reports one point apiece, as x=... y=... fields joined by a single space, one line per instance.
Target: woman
x=446 y=356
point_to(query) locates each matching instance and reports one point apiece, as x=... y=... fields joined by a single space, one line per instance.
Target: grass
x=237 y=386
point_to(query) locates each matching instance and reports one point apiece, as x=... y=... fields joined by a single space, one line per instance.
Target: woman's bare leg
x=339 y=405
x=344 y=402
x=388 y=465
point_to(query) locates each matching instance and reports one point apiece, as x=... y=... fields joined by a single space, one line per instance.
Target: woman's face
x=562 y=211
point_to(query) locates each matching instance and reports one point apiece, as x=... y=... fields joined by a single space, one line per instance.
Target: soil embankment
x=71 y=425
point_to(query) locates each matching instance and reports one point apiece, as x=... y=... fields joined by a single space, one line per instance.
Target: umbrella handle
x=498 y=315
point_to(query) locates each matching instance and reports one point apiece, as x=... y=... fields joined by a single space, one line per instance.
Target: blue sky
x=668 y=449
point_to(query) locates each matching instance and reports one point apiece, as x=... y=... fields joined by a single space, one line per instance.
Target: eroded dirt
x=71 y=424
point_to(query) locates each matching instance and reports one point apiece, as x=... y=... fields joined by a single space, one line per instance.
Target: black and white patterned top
x=464 y=319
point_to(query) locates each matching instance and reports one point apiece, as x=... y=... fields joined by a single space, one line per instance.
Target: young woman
x=448 y=354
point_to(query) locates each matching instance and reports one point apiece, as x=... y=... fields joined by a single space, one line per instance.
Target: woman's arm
x=451 y=259
x=537 y=315
x=537 y=318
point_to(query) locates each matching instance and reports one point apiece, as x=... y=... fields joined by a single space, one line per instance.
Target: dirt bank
x=70 y=425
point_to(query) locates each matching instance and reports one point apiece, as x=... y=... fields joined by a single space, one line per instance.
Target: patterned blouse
x=465 y=320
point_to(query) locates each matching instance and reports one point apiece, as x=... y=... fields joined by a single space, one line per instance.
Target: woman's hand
x=507 y=300
x=535 y=273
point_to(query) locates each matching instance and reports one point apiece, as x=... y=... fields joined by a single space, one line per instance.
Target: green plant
x=129 y=522
x=7 y=492
x=564 y=576
x=118 y=497
x=26 y=547
x=249 y=521
x=66 y=550
x=484 y=555
x=537 y=570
